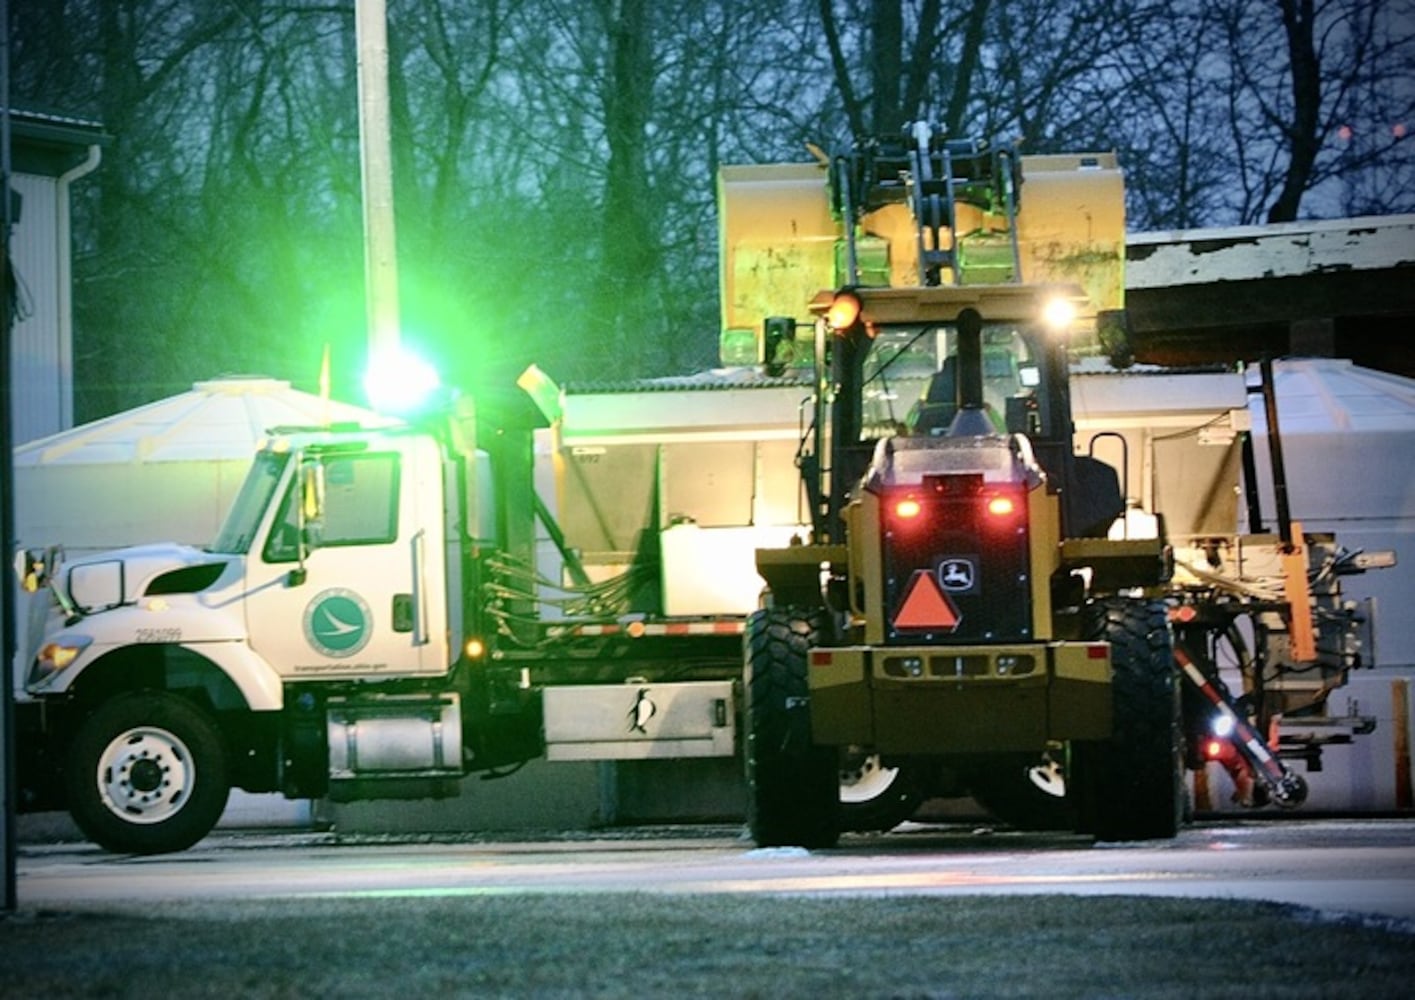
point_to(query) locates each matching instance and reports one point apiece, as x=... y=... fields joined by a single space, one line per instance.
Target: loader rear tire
x=1131 y=787
x=793 y=785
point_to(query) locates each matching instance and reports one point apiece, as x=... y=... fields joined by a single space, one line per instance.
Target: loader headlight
x=1058 y=313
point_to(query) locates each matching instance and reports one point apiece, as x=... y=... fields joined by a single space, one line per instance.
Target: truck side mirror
x=311 y=506
x=36 y=567
x=309 y=518
x=777 y=334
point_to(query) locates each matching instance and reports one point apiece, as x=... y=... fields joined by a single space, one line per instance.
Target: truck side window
x=360 y=500
x=360 y=506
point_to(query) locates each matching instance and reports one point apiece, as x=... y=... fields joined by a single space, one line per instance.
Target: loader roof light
x=844 y=311
x=1058 y=313
x=399 y=383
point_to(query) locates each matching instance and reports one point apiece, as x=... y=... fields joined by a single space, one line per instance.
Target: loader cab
x=902 y=363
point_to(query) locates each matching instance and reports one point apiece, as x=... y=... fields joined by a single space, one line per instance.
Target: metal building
x=50 y=153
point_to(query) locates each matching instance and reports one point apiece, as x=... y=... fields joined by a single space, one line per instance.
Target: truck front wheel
x=793 y=785
x=146 y=774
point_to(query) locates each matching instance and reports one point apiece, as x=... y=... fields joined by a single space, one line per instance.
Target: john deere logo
x=338 y=623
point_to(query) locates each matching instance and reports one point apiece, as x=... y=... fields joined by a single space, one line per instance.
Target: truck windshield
x=245 y=515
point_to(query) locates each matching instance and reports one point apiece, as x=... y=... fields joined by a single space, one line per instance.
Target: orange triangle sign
x=926 y=605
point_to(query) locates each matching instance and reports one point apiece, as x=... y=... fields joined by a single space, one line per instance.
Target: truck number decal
x=158 y=635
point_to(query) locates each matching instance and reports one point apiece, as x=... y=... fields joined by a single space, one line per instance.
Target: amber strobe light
x=844 y=311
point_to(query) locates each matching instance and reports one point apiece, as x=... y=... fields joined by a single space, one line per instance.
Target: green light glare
x=398 y=383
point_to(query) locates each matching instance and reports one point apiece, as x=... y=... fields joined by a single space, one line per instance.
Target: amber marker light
x=844 y=311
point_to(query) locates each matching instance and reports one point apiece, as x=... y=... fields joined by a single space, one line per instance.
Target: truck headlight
x=55 y=656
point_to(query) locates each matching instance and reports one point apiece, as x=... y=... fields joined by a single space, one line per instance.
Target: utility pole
x=376 y=168
x=8 y=593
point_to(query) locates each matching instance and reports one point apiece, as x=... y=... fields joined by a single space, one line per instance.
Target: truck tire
x=1131 y=787
x=793 y=785
x=1010 y=787
x=146 y=774
x=875 y=797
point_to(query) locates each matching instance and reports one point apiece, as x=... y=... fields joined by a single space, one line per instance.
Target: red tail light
x=1002 y=506
x=908 y=508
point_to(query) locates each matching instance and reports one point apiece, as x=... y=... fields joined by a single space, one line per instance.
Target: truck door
x=365 y=596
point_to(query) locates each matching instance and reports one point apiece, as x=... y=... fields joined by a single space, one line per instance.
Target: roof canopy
x=225 y=418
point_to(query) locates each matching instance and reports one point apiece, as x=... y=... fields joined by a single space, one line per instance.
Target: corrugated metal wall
x=42 y=375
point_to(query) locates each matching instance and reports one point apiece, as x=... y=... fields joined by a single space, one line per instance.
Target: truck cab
x=353 y=523
x=329 y=603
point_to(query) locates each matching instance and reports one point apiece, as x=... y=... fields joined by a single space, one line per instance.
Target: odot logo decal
x=338 y=622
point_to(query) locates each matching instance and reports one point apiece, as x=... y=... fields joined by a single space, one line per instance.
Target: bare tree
x=555 y=159
x=896 y=61
x=1318 y=95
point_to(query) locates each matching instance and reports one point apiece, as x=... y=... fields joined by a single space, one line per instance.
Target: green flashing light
x=399 y=383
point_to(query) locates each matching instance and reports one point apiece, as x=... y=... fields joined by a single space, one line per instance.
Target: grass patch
x=598 y=945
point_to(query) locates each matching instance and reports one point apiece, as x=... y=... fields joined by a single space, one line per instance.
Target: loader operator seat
x=936 y=409
x=1003 y=391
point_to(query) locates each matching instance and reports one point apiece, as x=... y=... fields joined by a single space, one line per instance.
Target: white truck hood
x=108 y=579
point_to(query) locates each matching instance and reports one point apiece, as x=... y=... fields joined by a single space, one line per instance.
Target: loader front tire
x=793 y=785
x=1131 y=787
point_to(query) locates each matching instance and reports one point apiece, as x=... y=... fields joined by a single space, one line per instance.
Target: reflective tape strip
x=636 y=630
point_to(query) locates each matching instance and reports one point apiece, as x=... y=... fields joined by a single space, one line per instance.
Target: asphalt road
x=1338 y=866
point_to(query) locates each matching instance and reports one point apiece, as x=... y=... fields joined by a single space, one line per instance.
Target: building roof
x=48 y=144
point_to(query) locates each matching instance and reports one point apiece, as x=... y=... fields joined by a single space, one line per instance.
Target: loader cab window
x=339 y=500
x=1013 y=387
x=897 y=370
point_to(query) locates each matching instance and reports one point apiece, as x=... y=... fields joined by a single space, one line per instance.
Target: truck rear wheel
x=1131 y=787
x=793 y=785
x=1025 y=791
x=146 y=774
x=875 y=796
